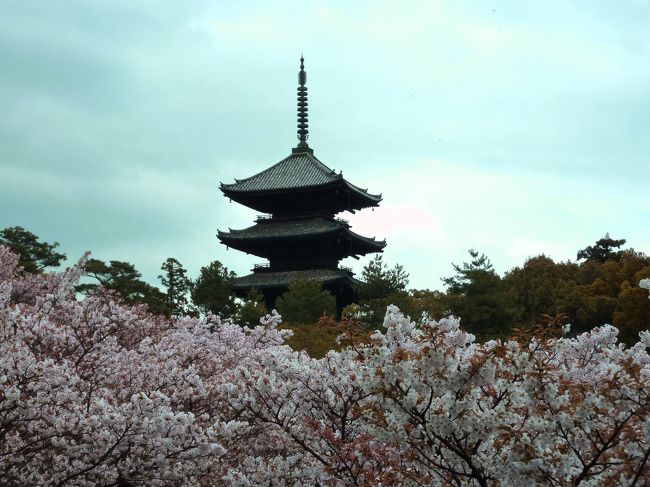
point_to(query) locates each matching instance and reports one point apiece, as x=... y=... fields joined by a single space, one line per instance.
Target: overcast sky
x=515 y=128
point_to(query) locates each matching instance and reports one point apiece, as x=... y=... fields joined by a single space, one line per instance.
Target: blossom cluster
x=93 y=392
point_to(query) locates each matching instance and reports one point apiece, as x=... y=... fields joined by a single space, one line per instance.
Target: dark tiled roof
x=312 y=227
x=262 y=280
x=299 y=170
x=293 y=228
x=372 y=241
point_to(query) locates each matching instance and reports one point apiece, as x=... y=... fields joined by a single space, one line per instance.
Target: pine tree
x=251 y=309
x=123 y=278
x=35 y=256
x=177 y=286
x=383 y=286
x=212 y=292
x=603 y=250
x=305 y=302
x=476 y=294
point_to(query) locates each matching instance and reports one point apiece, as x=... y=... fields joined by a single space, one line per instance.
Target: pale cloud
x=509 y=216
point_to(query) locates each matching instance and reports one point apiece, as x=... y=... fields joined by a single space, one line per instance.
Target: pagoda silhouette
x=299 y=234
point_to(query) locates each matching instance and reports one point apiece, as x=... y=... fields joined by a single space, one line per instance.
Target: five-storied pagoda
x=299 y=235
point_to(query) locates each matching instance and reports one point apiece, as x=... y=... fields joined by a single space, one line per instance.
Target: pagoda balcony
x=281 y=266
x=264 y=217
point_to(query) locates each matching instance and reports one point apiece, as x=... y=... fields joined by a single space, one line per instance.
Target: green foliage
x=177 y=284
x=467 y=275
x=315 y=339
x=382 y=281
x=427 y=305
x=35 y=256
x=305 y=302
x=592 y=293
x=476 y=294
x=123 y=278
x=212 y=292
x=382 y=286
x=617 y=286
x=603 y=250
x=632 y=312
x=117 y=275
x=251 y=309
x=603 y=288
x=539 y=287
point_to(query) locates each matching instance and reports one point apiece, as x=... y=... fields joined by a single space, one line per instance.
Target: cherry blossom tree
x=97 y=392
x=93 y=392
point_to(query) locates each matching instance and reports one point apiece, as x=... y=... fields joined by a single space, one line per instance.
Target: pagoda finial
x=303 y=126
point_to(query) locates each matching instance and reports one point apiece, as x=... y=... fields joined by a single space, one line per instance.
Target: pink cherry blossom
x=94 y=392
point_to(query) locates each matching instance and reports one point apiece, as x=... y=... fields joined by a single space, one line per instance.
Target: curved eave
x=374 y=198
x=371 y=244
x=303 y=172
x=232 y=240
x=240 y=236
x=248 y=234
x=365 y=199
x=231 y=189
x=283 y=279
x=309 y=161
x=353 y=244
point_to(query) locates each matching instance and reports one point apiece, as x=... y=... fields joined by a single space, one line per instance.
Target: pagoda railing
x=293 y=266
x=266 y=216
x=295 y=216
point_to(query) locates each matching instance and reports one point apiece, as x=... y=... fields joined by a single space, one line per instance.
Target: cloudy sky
x=515 y=128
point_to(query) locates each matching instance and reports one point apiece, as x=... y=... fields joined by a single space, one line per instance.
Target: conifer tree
x=382 y=286
x=476 y=294
x=305 y=302
x=123 y=278
x=177 y=285
x=603 y=250
x=251 y=309
x=35 y=256
x=212 y=292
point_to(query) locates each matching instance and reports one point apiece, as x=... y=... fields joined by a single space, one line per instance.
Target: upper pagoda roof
x=300 y=183
x=301 y=170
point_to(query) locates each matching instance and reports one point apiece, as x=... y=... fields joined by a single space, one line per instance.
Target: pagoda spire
x=303 y=125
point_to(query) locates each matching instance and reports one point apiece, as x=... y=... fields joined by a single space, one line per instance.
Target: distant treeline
x=600 y=287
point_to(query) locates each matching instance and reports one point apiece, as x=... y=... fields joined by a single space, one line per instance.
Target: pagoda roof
x=305 y=227
x=300 y=170
x=261 y=280
x=287 y=228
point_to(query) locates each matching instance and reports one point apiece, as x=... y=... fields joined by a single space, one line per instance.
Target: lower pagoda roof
x=262 y=280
